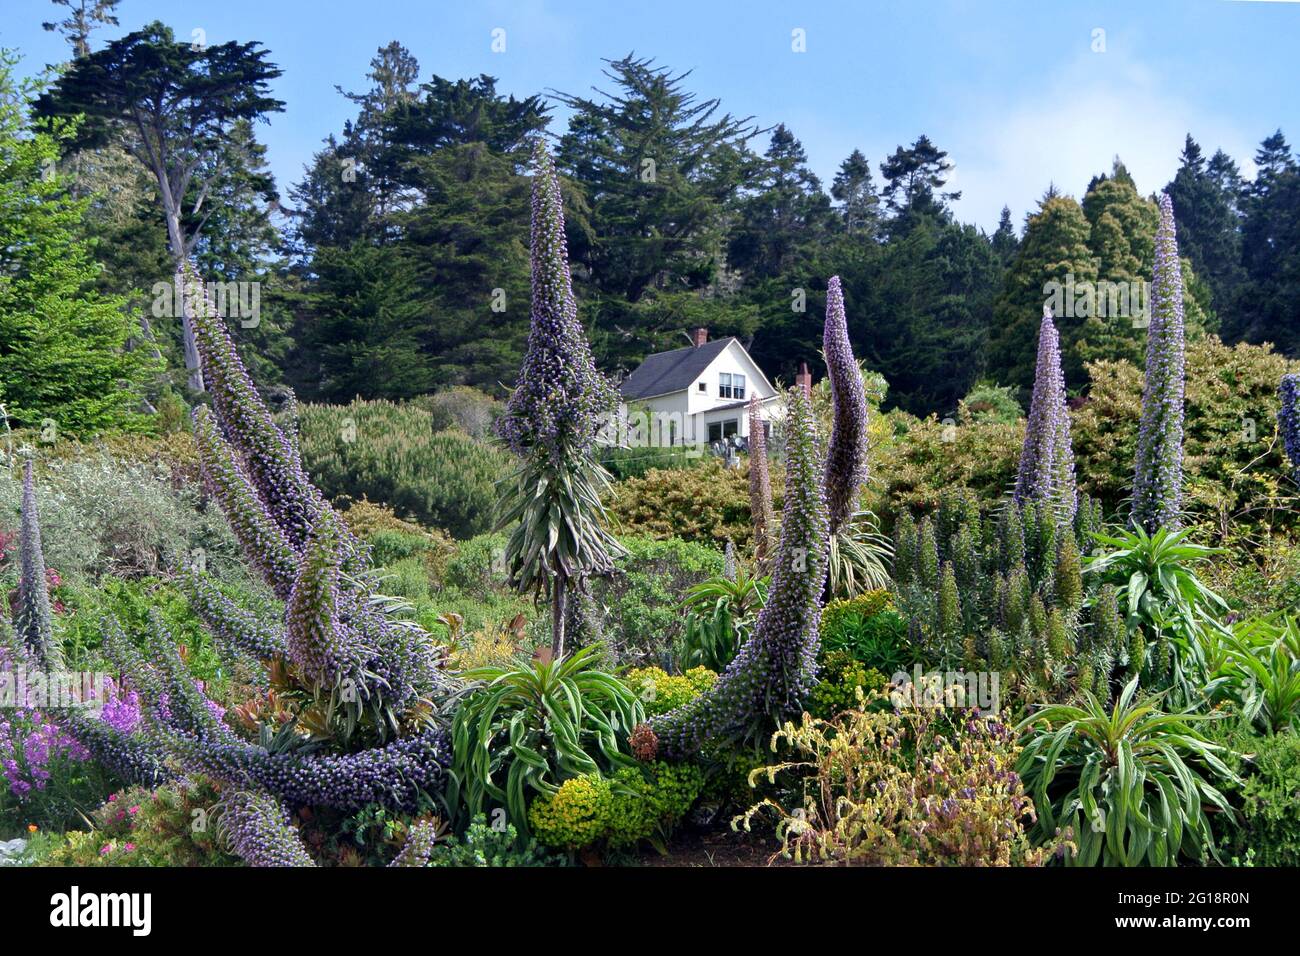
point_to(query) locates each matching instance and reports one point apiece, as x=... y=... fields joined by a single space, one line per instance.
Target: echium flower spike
x=1288 y=419
x=557 y=405
x=760 y=486
x=1046 y=470
x=34 y=621
x=770 y=677
x=420 y=841
x=261 y=539
x=274 y=468
x=1158 y=471
x=846 y=457
x=256 y=827
x=318 y=640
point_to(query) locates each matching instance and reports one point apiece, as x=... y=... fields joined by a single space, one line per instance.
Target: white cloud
x=1094 y=108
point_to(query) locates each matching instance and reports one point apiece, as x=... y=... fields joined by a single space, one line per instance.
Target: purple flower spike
x=557 y=405
x=1288 y=419
x=846 y=458
x=1158 y=475
x=1047 y=459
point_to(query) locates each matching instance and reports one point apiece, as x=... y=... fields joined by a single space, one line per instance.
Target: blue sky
x=1017 y=92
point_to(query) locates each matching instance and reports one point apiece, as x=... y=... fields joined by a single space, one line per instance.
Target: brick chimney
x=804 y=379
x=699 y=336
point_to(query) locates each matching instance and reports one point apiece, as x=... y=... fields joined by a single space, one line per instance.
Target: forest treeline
x=398 y=264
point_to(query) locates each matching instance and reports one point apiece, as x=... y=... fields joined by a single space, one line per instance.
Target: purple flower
x=557 y=404
x=1158 y=472
x=770 y=676
x=1046 y=470
x=760 y=485
x=846 y=457
x=1288 y=419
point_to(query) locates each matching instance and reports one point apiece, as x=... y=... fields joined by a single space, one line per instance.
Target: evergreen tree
x=787 y=215
x=174 y=107
x=1054 y=247
x=64 y=354
x=914 y=179
x=1270 y=245
x=660 y=168
x=1205 y=199
x=84 y=17
x=1004 y=241
x=855 y=191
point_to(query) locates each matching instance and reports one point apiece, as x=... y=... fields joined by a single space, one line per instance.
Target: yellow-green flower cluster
x=621 y=811
x=661 y=692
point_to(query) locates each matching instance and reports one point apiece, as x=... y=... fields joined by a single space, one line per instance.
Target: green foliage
x=720 y=613
x=390 y=453
x=138 y=827
x=1133 y=784
x=642 y=621
x=841 y=678
x=1234 y=469
x=527 y=728
x=1259 y=668
x=1269 y=813
x=869 y=629
x=490 y=846
x=859 y=556
x=660 y=692
x=65 y=359
x=861 y=790
x=637 y=803
x=1164 y=602
x=708 y=504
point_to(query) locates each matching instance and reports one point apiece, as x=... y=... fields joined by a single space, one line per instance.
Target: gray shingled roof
x=673 y=371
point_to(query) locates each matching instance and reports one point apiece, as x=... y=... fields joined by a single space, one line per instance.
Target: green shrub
x=840 y=679
x=708 y=504
x=869 y=629
x=484 y=846
x=104 y=517
x=461 y=407
x=642 y=620
x=1234 y=469
x=391 y=453
x=166 y=827
x=478 y=566
x=661 y=692
x=638 y=803
x=1270 y=802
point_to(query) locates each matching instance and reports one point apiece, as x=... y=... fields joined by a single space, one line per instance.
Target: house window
x=703 y=387
x=731 y=385
x=720 y=430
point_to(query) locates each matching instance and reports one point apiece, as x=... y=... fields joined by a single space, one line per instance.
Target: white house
x=695 y=395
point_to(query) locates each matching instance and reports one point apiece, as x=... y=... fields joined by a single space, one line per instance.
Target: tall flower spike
x=34 y=623
x=768 y=680
x=318 y=641
x=1047 y=459
x=846 y=457
x=557 y=403
x=261 y=539
x=1158 y=471
x=272 y=463
x=1288 y=419
x=760 y=485
x=257 y=829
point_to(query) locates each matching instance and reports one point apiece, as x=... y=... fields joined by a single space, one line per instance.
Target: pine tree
x=855 y=191
x=66 y=354
x=1054 y=248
